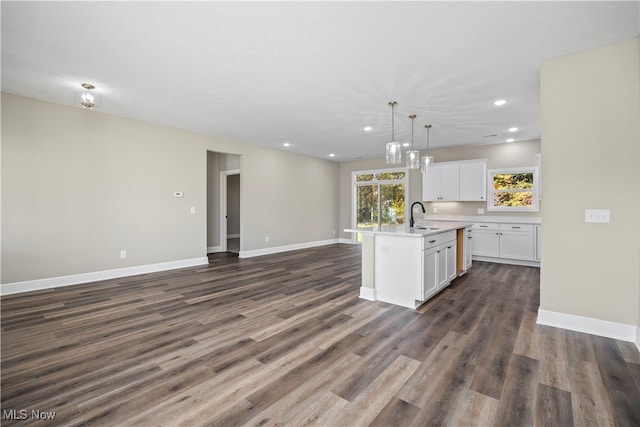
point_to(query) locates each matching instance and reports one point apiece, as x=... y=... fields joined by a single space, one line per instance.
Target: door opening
x=230 y=211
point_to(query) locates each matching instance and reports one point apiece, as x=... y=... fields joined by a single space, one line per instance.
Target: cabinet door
x=441 y=255
x=451 y=261
x=516 y=245
x=449 y=182
x=431 y=185
x=430 y=273
x=486 y=243
x=473 y=182
x=468 y=248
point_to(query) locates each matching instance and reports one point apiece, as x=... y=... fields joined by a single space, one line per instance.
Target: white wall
x=590 y=147
x=79 y=186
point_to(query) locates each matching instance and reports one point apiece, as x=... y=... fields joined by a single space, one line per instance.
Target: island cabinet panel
x=398 y=270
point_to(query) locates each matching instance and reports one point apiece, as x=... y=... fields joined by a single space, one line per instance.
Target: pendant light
x=427 y=160
x=413 y=156
x=394 y=150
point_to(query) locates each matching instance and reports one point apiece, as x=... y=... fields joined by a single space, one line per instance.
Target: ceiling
x=313 y=74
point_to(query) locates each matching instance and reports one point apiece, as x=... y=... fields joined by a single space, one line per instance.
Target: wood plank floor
x=284 y=340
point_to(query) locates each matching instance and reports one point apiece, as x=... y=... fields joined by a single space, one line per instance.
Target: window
x=513 y=189
x=378 y=198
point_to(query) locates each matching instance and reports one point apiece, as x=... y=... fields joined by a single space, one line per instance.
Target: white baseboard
x=76 y=279
x=278 y=249
x=232 y=236
x=507 y=261
x=367 y=293
x=348 y=241
x=212 y=249
x=603 y=328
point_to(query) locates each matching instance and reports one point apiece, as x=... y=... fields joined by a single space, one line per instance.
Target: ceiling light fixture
x=367 y=128
x=427 y=160
x=499 y=102
x=393 y=150
x=413 y=156
x=332 y=155
x=88 y=101
x=510 y=140
x=513 y=129
x=286 y=144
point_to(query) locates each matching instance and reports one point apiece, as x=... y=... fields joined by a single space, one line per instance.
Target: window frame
x=354 y=190
x=535 y=206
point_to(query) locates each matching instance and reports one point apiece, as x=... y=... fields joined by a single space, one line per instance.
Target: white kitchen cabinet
x=446 y=256
x=538 y=237
x=473 y=182
x=510 y=241
x=429 y=272
x=516 y=241
x=441 y=183
x=486 y=239
x=468 y=249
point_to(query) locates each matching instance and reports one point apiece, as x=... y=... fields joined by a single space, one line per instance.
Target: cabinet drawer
x=429 y=242
x=486 y=226
x=447 y=236
x=517 y=227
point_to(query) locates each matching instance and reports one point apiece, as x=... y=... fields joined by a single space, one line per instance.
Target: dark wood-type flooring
x=284 y=340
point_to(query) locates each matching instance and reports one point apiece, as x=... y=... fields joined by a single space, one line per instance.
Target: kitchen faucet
x=411 y=222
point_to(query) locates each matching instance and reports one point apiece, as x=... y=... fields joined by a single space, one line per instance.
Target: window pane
x=390 y=175
x=510 y=181
x=364 y=177
x=367 y=206
x=513 y=198
x=392 y=203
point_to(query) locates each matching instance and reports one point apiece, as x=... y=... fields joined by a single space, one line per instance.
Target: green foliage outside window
x=513 y=189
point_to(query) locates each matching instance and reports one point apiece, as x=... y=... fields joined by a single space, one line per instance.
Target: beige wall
x=590 y=148
x=500 y=155
x=80 y=186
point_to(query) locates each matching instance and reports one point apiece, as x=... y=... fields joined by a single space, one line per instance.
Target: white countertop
x=482 y=218
x=405 y=230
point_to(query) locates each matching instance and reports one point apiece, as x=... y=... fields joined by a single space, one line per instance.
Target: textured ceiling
x=310 y=73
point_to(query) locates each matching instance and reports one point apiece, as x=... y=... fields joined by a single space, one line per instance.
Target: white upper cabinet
x=455 y=181
x=473 y=182
x=441 y=183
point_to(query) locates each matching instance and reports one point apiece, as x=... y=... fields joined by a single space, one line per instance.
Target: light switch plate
x=597 y=215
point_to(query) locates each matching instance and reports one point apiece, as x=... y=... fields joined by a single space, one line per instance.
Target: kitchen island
x=407 y=266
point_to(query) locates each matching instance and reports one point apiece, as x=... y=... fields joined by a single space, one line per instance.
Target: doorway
x=230 y=211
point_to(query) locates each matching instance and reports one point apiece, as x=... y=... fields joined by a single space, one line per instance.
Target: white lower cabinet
x=468 y=249
x=429 y=272
x=509 y=241
x=409 y=270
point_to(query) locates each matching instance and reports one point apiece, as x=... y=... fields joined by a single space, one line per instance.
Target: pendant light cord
x=393 y=104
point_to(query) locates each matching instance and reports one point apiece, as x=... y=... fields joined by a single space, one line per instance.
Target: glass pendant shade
x=394 y=153
x=413 y=156
x=427 y=161
x=413 y=159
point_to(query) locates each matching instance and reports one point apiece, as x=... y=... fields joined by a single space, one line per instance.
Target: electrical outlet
x=480 y=211
x=123 y=254
x=435 y=210
x=266 y=239
x=193 y=209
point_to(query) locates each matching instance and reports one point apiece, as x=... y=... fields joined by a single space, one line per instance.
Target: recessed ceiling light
x=367 y=128
x=286 y=144
x=513 y=129
x=510 y=140
x=332 y=155
x=499 y=102
x=405 y=144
